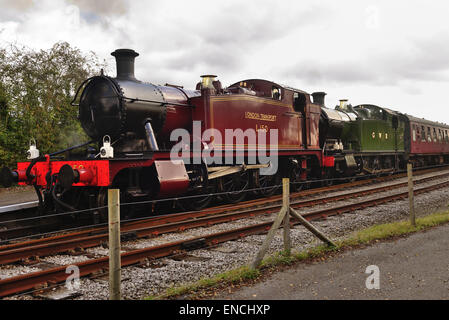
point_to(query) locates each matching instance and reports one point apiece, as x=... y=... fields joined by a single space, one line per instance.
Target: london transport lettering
x=261 y=117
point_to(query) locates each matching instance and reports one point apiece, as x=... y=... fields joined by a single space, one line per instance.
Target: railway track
x=31 y=227
x=30 y=281
x=154 y=227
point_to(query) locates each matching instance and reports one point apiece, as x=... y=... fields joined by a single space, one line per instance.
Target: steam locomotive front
x=131 y=118
x=129 y=110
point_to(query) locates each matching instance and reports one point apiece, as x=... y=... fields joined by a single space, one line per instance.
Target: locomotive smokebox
x=318 y=98
x=130 y=110
x=125 y=63
x=122 y=105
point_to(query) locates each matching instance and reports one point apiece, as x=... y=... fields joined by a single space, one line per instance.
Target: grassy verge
x=364 y=237
x=238 y=275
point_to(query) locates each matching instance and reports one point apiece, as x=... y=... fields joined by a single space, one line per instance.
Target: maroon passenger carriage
x=131 y=122
x=427 y=142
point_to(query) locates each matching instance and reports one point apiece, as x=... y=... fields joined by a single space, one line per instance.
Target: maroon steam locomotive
x=132 y=121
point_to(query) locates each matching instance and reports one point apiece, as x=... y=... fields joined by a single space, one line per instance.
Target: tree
x=36 y=88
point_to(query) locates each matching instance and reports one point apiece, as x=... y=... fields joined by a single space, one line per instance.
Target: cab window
x=299 y=102
x=276 y=93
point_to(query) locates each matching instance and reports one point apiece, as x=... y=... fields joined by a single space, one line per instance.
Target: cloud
x=422 y=59
x=97 y=7
x=102 y=7
x=187 y=39
x=11 y=9
x=16 y=4
x=351 y=49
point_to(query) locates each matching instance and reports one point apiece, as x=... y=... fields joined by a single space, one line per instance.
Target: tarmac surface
x=16 y=195
x=415 y=267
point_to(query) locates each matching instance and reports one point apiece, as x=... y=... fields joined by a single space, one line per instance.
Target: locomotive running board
x=374 y=171
x=218 y=172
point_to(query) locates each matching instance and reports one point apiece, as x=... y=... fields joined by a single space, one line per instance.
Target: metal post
x=410 y=194
x=286 y=206
x=114 y=244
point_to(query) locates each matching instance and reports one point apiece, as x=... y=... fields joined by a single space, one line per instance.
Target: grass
x=238 y=275
x=395 y=229
x=364 y=237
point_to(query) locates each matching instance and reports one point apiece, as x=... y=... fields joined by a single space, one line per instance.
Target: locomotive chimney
x=343 y=104
x=318 y=98
x=125 y=63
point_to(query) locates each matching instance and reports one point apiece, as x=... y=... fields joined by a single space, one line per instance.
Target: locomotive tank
x=124 y=107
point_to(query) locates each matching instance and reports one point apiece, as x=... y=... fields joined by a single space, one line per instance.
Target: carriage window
x=429 y=135
x=414 y=133
x=434 y=135
x=395 y=122
x=439 y=135
x=423 y=136
x=446 y=137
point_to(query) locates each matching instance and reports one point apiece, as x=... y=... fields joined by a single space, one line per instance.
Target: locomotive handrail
x=114 y=85
x=72 y=103
x=159 y=102
x=292 y=114
x=71 y=148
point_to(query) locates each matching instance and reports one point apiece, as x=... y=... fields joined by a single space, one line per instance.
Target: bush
x=36 y=88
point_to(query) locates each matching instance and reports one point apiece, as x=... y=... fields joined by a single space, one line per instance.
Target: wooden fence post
x=311 y=228
x=410 y=194
x=114 y=244
x=283 y=216
x=286 y=205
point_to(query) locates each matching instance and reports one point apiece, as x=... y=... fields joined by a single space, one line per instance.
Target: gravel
x=8 y=271
x=156 y=276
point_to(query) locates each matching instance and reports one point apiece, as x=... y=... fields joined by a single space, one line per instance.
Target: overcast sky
x=391 y=53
